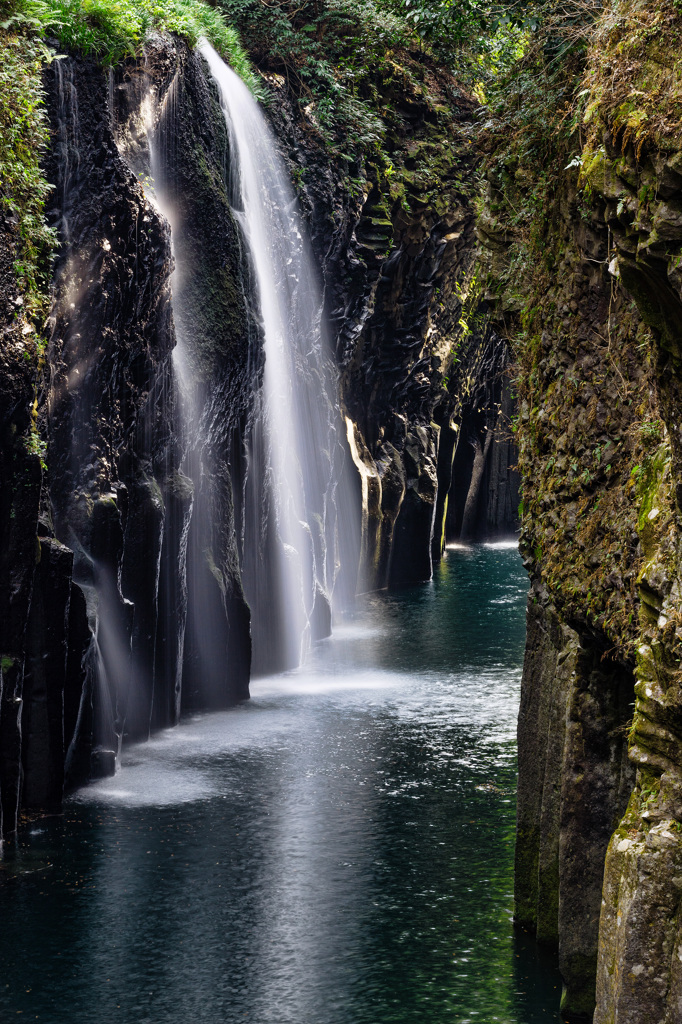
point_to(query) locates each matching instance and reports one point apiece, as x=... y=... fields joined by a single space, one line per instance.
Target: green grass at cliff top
x=24 y=134
x=112 y=30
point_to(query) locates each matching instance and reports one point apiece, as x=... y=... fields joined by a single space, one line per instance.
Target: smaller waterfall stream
x=289 y=562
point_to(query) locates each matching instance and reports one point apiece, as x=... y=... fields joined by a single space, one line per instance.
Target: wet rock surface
x=21 y=473
x=104 y=656
x=398 y=265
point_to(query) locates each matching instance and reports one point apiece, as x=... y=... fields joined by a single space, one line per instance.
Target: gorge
x=285 y=337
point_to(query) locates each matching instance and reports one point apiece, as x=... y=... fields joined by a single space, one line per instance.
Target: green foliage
x=23 y=136
x=477 y=37
x=35 y=445
x=651 y=433
x=331 y=52
x=335 y=53
x=529 y=134
x=115 y=29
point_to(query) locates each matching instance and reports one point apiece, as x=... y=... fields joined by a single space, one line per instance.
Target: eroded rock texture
x=20 y=469
x=639 y=975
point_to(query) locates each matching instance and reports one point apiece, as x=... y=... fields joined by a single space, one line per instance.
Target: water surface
x=338 y=850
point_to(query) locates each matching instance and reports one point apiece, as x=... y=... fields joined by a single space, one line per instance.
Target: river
x=337 y=850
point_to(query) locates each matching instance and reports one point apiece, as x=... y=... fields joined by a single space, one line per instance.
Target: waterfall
x=198 y=484
x=289 y=494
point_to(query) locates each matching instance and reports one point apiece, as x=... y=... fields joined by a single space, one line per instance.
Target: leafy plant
x=115 y=29
x=24 y=135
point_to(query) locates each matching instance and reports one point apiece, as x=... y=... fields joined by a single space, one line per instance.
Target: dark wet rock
x=102 y=763
x=78 y=693
x=483 y=497
x=42 y=720
x=110 y=409
x=21 y=475
x=396 y=276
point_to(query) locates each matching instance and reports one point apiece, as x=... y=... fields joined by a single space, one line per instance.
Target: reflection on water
x=336 y=851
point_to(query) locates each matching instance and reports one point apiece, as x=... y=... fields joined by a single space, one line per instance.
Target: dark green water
x=337 y=851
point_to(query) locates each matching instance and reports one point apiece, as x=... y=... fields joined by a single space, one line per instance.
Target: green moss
x=634 y=82
x=35 y=445
x=24 y=135
x=648 y=480
x=180 y=486
x=214 y=570
x=579 y=1001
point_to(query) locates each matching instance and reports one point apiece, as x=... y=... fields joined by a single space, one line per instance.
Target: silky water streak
x=289 y=502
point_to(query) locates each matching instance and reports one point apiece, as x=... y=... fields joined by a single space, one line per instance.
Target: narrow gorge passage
x=339 y=849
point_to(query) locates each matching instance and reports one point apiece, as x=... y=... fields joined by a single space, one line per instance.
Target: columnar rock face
x=483 y=496
x=96 y=644
x=115 y=441
x=575 y=780
x=127 y=527
x=598 y=344
x=170 y=127
x=640 y=940
x=109 y=429
x=20 y=470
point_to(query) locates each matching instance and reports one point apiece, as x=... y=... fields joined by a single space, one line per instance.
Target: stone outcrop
x=114 y=441
x=20 y=469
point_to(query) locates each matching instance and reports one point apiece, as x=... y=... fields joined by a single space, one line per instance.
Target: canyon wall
x=584 y=234
x=421 y=373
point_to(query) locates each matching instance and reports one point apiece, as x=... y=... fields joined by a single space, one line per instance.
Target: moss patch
x=635 y=75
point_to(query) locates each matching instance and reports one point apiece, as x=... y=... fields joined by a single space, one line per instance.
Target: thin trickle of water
x=296 y=420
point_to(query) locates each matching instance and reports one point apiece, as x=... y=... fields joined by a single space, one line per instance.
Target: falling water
x=289 y=561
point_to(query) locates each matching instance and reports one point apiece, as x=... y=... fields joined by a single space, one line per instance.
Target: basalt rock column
x=178 y=141
x=109 y=413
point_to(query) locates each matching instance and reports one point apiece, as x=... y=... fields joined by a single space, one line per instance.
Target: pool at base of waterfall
x=337 y=850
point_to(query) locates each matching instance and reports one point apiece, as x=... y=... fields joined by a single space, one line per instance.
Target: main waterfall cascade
x=199 y=467
x=193 y=420
x=289 y=525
